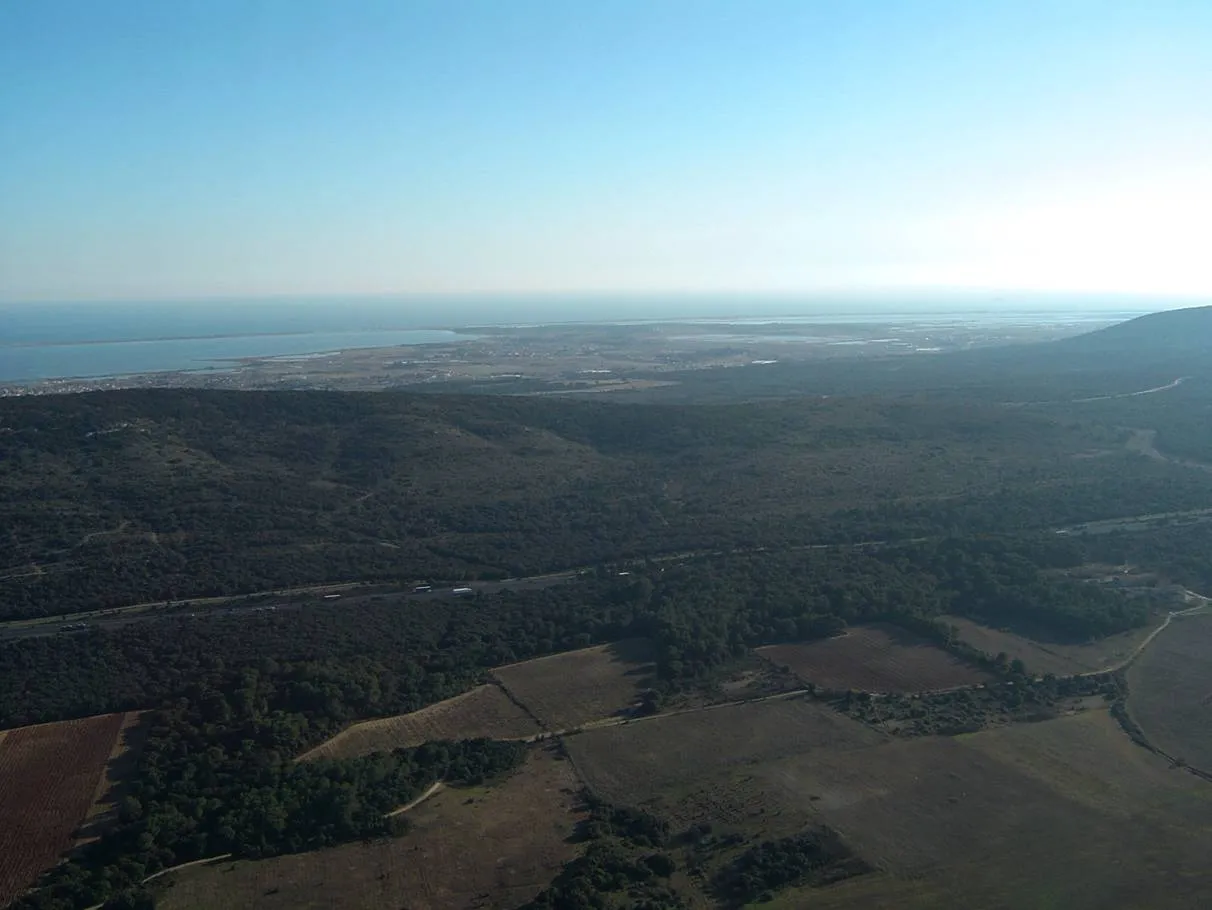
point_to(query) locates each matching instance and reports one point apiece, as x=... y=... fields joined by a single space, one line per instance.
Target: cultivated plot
x=567 y=690
x=486 y=711
x=1170 y=691
x=652 y=758
x=874 y=658
x=1049 y=657
x=483 y=848
x=49 y=776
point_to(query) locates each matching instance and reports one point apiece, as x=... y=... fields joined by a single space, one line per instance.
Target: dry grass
x=1087 y=758
x=1059 y=814
x=485 y=711
x=49 y=777
x=1170 y=691
x=567 y=690
x=482 y=848
x=650 y=758
x=874 y=658
x=1040 y=657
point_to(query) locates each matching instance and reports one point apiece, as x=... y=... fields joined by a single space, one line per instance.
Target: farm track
x=1139 y=649
x=624 y=721
x=431 y=790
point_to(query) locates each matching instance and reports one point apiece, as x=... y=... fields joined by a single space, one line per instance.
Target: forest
x=115 y=498
x=395 y=654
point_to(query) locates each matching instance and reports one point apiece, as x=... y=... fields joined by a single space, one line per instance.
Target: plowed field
x=875 y=658
x=49 y=775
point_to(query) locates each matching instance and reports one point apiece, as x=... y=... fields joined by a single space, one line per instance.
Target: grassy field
x=1087 y=758
x=568 y=690
x=653 y=758
x=1170 y=691
x=874 y=658
x=1058 y=814
x=485 y=848
x=1062 y=814
x=50 y=775
x=1066 y=813
x=1049 y=657
x=485 y=711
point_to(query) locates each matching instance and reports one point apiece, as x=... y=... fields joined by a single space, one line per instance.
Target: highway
x=350 y=594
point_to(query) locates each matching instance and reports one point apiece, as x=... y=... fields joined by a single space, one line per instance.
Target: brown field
x=874 y=658
x=567 y=690
x=649 y=758
x=493 y=847
x=1170 y=691
x=1041 y=657
x=485 y=711
x=49 y=776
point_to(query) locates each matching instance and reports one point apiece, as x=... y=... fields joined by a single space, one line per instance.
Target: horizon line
x=623 y=295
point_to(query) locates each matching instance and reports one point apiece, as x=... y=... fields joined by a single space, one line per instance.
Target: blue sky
x=200 y=148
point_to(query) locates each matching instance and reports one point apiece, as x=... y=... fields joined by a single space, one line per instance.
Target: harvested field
x=875 y=658
x=987 y=821
x=485 y=711
x=567 y=690
x=1088 y=758
x=1170 y=691
x=486 y=848
x=649 y=758
x=1049 y=657
x=49 y=777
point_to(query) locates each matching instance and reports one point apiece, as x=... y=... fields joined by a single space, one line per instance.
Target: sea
x=41 y=341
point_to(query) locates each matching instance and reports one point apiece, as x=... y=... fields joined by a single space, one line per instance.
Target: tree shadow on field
x=115 y=780
x=640 y=653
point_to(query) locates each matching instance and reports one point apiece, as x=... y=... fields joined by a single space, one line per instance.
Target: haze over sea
x=62 y=340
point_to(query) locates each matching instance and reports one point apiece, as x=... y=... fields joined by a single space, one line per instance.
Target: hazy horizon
x=241 y=150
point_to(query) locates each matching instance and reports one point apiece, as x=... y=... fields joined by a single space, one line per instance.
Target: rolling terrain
x=711 y=645
x=1067 y=811
x=111 y=499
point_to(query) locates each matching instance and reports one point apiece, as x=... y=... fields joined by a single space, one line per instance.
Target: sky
x=208 y=148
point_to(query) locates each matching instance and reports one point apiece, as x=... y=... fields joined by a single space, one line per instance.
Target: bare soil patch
x=565 y=691
x=1170 y=690
x=485 y=848
x=875 y=658
x=1049 y=657
x=48 y=779
x=486 y=711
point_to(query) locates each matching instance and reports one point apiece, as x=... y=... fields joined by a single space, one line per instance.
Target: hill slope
x=120 y=497
x=1171 y=332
